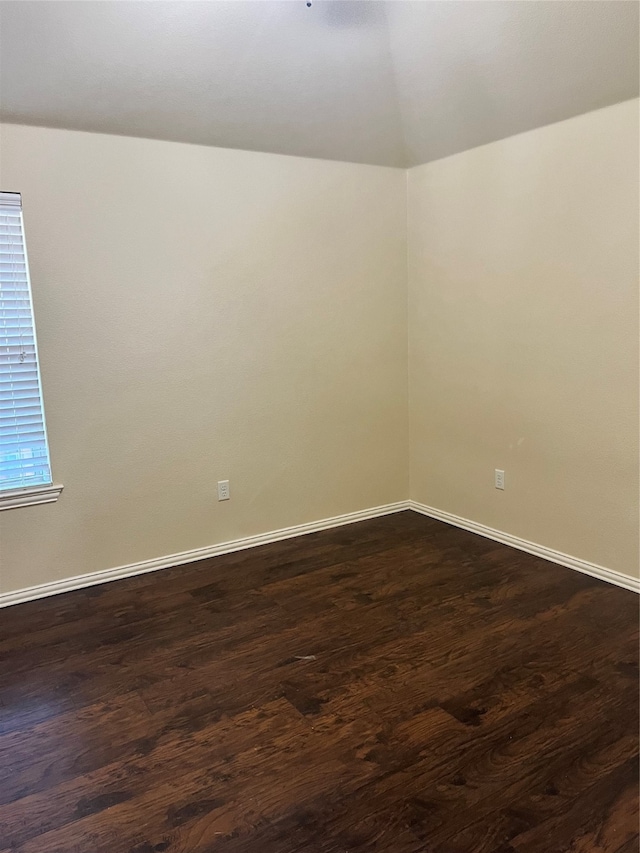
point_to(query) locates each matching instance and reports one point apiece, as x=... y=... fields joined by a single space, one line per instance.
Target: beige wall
x=523 y=307
x=205 y=314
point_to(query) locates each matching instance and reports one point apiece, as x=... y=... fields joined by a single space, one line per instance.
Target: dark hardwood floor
x=395 y=685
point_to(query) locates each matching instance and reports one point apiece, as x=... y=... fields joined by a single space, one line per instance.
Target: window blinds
x=24 y=454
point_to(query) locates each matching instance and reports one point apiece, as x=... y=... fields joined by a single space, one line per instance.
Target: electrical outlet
x=223 y=490
x=499 y=479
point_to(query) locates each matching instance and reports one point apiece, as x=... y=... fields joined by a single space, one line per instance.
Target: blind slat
x=12 y=449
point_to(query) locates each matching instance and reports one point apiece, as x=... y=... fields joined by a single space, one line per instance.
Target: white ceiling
x=394 y=83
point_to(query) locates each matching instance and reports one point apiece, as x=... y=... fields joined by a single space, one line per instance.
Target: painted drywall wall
x=523 y=335
x=205 y=314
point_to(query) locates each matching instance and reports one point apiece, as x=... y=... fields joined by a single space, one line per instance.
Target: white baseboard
x=587 y=568
x=81 y=581
x=94 y=578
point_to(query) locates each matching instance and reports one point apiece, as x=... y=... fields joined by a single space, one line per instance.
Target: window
x=25 y=470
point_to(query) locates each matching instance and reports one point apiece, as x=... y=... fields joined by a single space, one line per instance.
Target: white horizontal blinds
x=24 y=455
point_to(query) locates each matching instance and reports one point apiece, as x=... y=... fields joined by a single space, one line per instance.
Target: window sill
x=29 y=497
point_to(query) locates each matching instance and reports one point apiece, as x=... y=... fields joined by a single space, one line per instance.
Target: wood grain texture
x=395 y=685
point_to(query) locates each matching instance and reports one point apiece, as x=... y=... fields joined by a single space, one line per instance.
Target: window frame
x=43 y=492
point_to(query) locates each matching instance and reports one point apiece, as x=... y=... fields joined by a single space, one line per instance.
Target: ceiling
x=392 y=83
